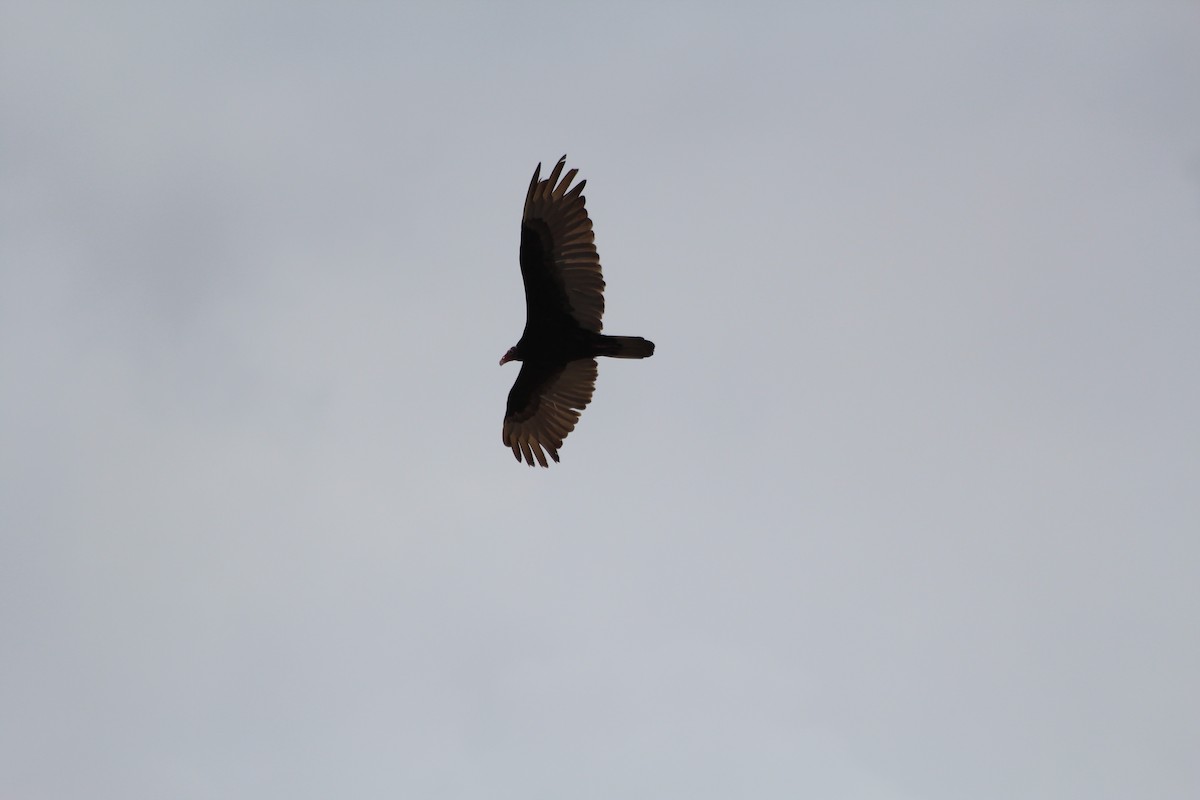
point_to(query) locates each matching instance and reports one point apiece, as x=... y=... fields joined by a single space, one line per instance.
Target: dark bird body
x=564 y=303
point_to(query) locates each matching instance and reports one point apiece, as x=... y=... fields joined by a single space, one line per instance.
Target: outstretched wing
x=558 y=255
x=544 y=406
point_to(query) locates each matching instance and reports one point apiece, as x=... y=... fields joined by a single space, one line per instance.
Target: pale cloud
x=900 y=508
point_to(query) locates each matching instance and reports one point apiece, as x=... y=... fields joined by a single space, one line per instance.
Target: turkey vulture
x=564 y=300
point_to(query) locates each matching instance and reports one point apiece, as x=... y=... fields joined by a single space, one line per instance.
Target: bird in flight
x=564 y=301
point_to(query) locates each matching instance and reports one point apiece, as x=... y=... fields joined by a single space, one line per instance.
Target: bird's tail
x=625 y=347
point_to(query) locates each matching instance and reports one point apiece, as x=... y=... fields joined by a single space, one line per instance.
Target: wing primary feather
x=553 y=179
x=564 y=183
x=571 y=195
x=536 y=174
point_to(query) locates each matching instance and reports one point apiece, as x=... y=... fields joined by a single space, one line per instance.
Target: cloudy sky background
x=905 y=505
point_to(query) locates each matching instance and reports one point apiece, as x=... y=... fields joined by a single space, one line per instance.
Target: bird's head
x=511 y=355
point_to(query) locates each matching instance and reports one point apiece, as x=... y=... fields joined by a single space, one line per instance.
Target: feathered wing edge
x=559 y=214
x=550 y=413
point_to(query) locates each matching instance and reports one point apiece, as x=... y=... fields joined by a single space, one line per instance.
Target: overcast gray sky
x=905 y=505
